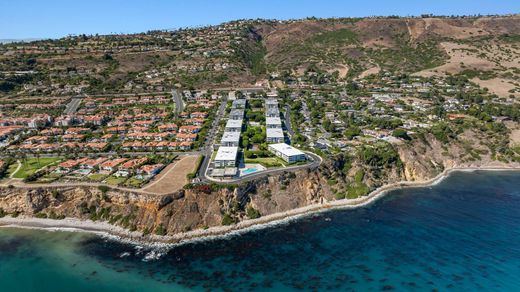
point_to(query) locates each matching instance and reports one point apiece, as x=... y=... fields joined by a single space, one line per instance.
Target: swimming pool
x=249 y=170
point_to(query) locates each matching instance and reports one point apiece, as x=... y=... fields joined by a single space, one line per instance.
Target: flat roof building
x=287 y=152
x=234 y=126
x=274 y=123
x=271 y=103
x=230 y=139
x=275 y=135
x=236 y=114
x=226 y=157
x=238 y=103
x=272 y=113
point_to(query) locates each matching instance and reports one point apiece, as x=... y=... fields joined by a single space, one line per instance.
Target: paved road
x=112 y=153
x=210 y=139
x=177 y=98
x=315 y=163
x=72 y=106
x=287 y=117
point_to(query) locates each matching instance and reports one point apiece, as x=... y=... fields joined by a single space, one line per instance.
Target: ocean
x=462 y=234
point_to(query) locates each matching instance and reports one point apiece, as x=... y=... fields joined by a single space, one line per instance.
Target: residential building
x=287 y=152
x=234 y=126
x=236 y=114
x=226 y=157
x=275 y=135
x=273 y=123
x=230 y=139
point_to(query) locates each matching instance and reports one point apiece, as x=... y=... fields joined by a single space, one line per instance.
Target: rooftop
x=230 y=137
x=286 y=149
x=234 y=124
x=274 y=133
x=273 y=121
x=226 y=153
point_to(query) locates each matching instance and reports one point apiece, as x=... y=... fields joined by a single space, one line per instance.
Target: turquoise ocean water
x=460 y=235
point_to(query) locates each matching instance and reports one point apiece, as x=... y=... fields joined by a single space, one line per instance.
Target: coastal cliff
x=343 y=176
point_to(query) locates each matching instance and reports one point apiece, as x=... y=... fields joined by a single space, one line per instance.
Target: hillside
x=243 y=52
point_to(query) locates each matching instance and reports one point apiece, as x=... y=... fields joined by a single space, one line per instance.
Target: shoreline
x=118 y=233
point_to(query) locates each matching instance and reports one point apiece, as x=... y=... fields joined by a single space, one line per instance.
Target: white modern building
x=226 y=157
x=236 y=114
x=238 y=103
x=274 y=135
x=230 y=139
x=287 y=152
x=234 y=126
x=273 y=123
x=272 y=113
x=271 y=103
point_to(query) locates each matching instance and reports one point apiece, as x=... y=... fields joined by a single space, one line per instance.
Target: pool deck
x=257 y=167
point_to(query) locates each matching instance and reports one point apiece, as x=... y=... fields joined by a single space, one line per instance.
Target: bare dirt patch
x=372 y=70
x=173 y=177
x=462 y=57
x=497 y=86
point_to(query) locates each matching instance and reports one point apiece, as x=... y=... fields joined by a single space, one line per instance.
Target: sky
x=21 y=19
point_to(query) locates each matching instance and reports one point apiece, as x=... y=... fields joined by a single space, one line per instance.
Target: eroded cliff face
x=206 y=206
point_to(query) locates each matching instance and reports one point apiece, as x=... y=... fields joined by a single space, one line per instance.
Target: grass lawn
x=113 y=180
x=134 y=182
x=267 y=161
x=96 y=177
x=31 y=166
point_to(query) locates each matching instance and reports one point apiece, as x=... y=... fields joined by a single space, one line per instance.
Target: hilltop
x=248 y=51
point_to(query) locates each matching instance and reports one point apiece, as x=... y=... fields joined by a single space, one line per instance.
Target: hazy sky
x=51 y=19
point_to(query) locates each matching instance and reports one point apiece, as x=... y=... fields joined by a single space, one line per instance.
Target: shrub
x=160 y=230
x=252 y=213
x=228 y=220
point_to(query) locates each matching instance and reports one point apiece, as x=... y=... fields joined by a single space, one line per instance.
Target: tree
x=401 y=133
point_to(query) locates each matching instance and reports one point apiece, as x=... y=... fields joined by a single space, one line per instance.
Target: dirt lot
x=497 y=86
x=459 y=55
x=173 y=177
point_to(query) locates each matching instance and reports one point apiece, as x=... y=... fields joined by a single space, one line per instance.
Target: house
x=96 y=146
x=181 y=137
x=125 y=168
x=226 y=157
x=287 y=152
x=230 y=139
x=77 y=130
x=186 y=145
x=234 y=126
x=189 y=129
x=69 y=165
x=110 y=165
x=72 y=137
x=201 y=115
x=150 y=169
x=168 y=128
x=91 y=163
x=275 y=135
x=273 y=123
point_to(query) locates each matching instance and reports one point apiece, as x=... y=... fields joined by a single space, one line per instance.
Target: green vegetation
x=160 y=230
x=113 y=180
x=401 y=133
x=340 y=36
x=266 y=161
x=228 y=220
x=356 y=190
x=30 y=166
x=380 y=155
x=252 y=213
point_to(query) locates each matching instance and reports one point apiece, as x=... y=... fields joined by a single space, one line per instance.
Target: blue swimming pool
x=249 y=170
